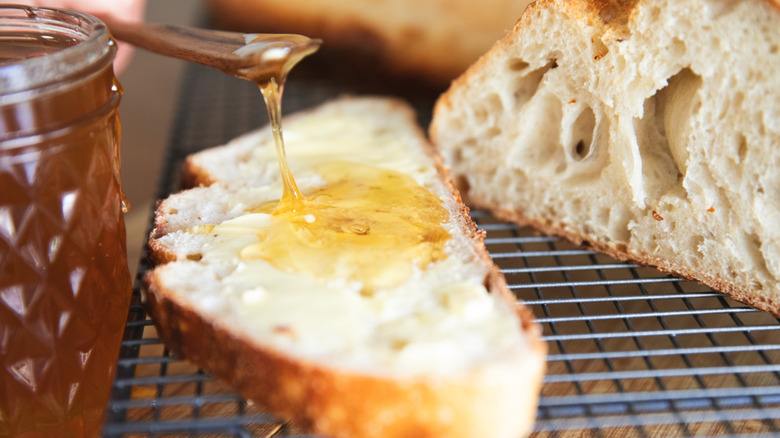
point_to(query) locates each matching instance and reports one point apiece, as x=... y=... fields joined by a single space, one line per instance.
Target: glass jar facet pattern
x=64 y=282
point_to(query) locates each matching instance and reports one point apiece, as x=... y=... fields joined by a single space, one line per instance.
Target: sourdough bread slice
x=647 y=129
x=432 y=350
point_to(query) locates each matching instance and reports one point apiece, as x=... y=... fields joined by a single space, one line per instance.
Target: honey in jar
x=64 y=282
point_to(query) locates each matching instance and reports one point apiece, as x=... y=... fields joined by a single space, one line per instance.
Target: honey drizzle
x=292 y=198
x=367 y=224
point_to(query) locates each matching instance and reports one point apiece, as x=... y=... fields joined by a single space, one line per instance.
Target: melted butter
x=366 y=224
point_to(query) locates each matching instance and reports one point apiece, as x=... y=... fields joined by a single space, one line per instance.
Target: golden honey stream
x=366 y=224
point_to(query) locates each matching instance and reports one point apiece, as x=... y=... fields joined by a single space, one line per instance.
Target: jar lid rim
x=94 y=47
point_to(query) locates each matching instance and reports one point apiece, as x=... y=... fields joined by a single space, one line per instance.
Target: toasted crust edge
x=335 y=402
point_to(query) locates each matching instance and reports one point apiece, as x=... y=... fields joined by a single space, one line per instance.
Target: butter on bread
x=647 y=129
x=436 y=40
x=443 y=351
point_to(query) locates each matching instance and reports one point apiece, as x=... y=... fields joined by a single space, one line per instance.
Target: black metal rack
x=633 y=352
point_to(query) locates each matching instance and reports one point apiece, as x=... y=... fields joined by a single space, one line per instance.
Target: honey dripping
x=272 y=94
x=366 y=224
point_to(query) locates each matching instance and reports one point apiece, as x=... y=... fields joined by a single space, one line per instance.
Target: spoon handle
x=208 y=47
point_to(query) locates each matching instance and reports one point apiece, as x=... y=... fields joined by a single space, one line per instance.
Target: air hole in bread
x=173 y=211
x=457 y=155
x=481 y=115
x=579 y=149
x=490 y=109
x=599 y=49
x=494 y=104
x=462 y=184
x=582 y=134
x=517 y=64
x=528 y=84
x=742 y=147
x=679 y=102
x=195 y=257
x=774 y=48
x=663 y=134
x=677 y=49
x=719 y=9
x=736 y=105
x=493 y=132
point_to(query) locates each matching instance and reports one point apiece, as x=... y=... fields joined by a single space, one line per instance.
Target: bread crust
x=341 y=403
x=749 y=297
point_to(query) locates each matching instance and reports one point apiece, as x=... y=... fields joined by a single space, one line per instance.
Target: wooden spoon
x=256 y=57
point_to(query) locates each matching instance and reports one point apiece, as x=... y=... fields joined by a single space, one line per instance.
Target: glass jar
x=64 y=283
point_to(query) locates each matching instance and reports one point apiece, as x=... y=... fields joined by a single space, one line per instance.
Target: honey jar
x=64 y=283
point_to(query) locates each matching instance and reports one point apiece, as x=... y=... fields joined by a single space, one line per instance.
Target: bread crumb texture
x=595 y=119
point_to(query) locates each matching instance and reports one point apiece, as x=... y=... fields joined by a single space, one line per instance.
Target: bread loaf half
x=390 y=323
x=647 y=129
x=435 y=39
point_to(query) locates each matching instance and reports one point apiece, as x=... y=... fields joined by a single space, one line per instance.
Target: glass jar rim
x=93 y=50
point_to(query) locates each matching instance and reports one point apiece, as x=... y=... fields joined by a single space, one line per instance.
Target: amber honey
x=365 y=224
x=64 y=282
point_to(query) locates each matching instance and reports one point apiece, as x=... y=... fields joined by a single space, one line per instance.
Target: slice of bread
x=436 y=40
x=647 y=129
x=429 y=349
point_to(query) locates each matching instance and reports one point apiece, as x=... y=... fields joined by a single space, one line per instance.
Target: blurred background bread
x=434 y=40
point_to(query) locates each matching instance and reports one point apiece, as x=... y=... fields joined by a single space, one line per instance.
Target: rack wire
x=633 y=351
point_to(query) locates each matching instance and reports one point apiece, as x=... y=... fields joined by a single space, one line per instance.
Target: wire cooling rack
x=633 y=352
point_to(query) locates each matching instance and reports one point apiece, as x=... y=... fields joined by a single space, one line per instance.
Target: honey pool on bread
x=379 y=223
